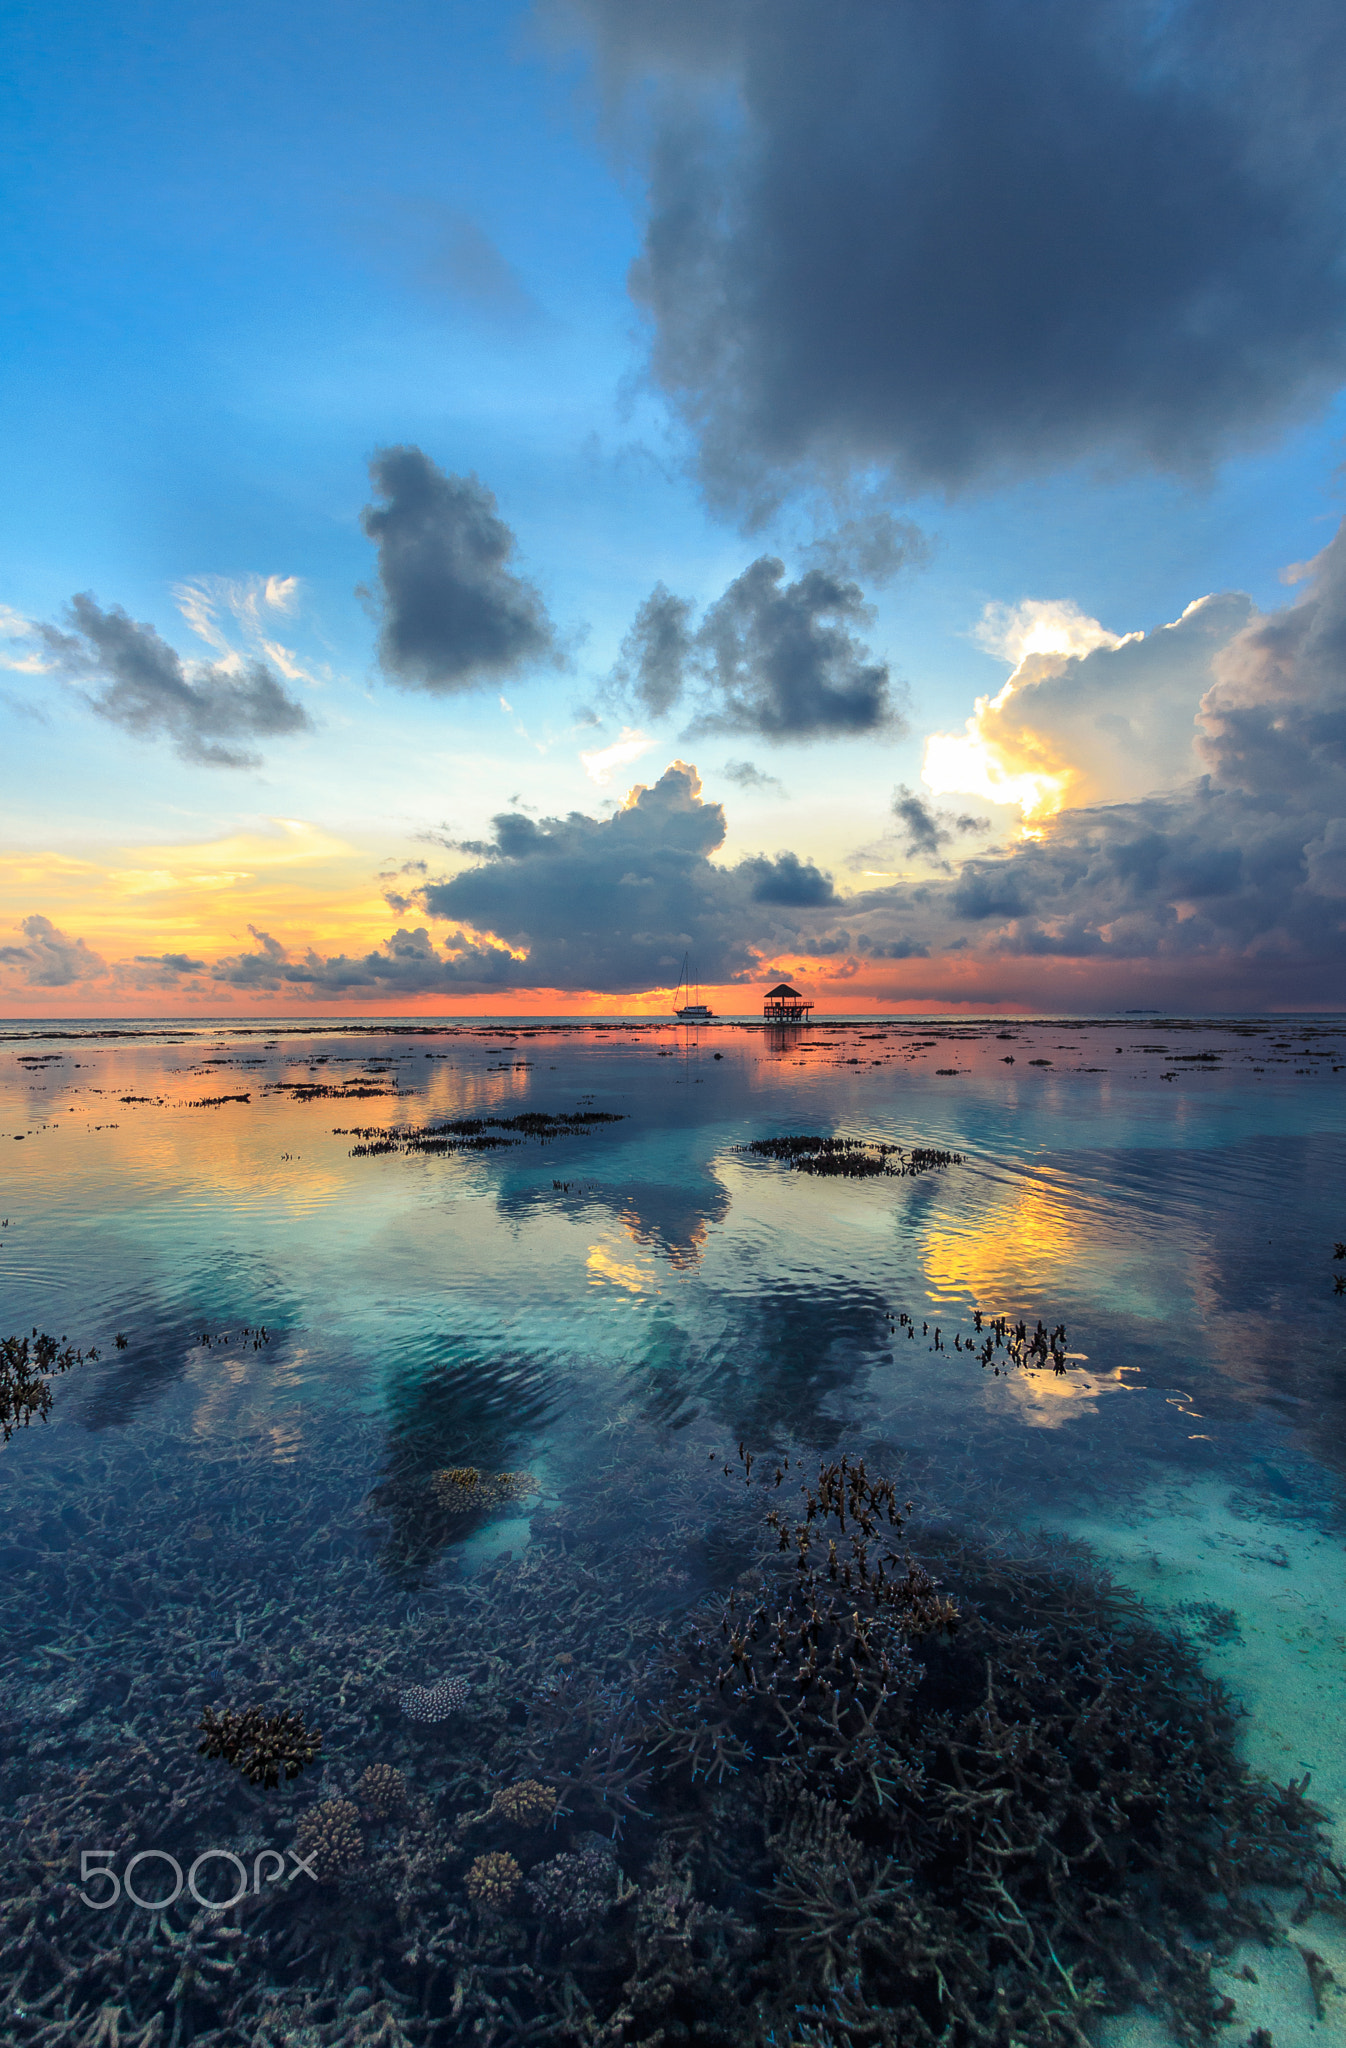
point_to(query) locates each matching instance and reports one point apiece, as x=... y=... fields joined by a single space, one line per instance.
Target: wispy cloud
x=603 y=763
x=145 y=688
x=220 y=609
x=15 y=630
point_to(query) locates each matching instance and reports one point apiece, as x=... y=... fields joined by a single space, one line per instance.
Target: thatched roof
x=781 y=991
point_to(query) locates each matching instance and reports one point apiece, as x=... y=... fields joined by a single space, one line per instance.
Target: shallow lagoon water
x=214 y=1517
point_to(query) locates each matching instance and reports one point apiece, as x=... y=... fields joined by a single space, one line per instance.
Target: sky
x=502 y=500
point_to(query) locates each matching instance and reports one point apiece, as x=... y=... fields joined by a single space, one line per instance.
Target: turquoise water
x=211 y=1515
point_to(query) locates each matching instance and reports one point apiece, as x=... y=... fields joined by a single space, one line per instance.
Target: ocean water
x=1075 y=1768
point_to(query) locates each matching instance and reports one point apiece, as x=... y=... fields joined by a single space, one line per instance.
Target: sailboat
x=689 y=1012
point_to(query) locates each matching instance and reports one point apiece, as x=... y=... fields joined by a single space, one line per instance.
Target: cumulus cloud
x=575 y=903
x=50 y=958
x=608 y=904
x=1212 y=891
x=770 y=657
x=895 y=949
x=1244 y=863
x=1087 y=716
x=1047 y=626
x=454 y=613
x=403 y=965
x=1085 y=227
x=781 y=659
x=149 y=692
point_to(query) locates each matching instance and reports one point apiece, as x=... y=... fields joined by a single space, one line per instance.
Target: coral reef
x=264 y=1747
x=329 y=1837
x=493 y=1880
x=381 y=1792
x=435 y=1702
x=1036 y=1812
x=528 y=1804
x=974 y=1833
x=577 y=1888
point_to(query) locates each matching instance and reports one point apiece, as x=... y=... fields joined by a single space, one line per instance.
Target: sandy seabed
x=1203 y=1553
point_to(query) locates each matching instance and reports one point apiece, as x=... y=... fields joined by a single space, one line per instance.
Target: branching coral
x=265 y=1748
x=822 y=1643
x=981 y=1818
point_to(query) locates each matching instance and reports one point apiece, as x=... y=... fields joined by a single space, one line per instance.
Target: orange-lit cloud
x=1087 y=716
x=996 y=756
x=201 y=897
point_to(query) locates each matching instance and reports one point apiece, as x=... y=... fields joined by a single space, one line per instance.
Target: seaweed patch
x=27 y=1368
x=852 y=1158
x=476 y=1133
x=463 y=1490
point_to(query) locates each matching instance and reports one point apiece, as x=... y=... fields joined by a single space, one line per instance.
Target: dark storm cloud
x=454 y=612
x=781 y=660
x=788 y=880
x=655 y=654
x=50 y=959
x=1177 y=874
x=148 y=691
x=927 y=831
x=920 y=822
x=770 y=657
x=958 y=241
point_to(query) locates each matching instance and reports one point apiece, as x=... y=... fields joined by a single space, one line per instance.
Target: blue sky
x=245 y=248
